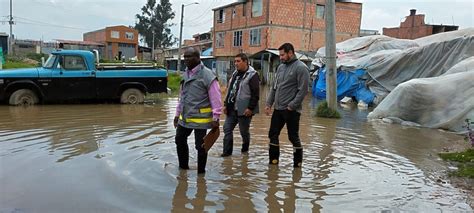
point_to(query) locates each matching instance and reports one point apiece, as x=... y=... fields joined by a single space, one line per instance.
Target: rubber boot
x=183 y=158
x=274 y=154
x=245 y=147
x=297 y=156
x=202 y=160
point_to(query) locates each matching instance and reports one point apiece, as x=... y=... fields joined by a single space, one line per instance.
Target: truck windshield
x=50 y=62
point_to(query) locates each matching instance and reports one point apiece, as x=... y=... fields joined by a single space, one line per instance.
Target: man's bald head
x=191 y=57
x=192 y=51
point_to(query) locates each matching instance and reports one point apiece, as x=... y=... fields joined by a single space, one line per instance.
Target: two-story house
x=120 y=42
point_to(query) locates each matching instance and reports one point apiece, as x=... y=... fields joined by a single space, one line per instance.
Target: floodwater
x=119 y=158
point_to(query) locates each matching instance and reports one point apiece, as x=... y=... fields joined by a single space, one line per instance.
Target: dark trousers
x=181 y=140
x=244 y=125
x=292 y=121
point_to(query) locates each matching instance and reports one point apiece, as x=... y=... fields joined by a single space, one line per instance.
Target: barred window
x=237 y=38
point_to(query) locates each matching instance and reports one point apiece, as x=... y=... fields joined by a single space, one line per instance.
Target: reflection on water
x=119 y=158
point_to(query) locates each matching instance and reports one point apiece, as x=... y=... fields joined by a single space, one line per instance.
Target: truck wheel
x=23 y=97
x=132 y=96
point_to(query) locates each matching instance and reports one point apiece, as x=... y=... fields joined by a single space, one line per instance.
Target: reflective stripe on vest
x=196 y=120
x=205 y=110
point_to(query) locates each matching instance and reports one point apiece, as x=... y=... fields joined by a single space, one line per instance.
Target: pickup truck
x=78 y=75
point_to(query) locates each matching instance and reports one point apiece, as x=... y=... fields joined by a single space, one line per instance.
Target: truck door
x=73 y=79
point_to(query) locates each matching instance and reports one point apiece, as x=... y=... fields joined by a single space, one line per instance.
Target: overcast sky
x=69 y=19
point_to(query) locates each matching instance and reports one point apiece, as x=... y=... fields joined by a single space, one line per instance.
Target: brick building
x=252 y=26
x=120 y=41
x=414 y=27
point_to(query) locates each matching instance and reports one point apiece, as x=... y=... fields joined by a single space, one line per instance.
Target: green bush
x=324 y=111
x=36 y=56
x=173 y=81
x=16 y=64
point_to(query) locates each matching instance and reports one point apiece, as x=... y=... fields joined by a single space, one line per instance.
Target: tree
x=154 y=18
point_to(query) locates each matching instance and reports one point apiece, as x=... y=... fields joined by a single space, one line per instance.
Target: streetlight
x=181 y=34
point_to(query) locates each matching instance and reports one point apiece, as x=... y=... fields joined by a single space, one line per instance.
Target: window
x=220 y=36
x=320 y=11
x=50 y=62
x=244 y=10
x=257 y=6
x=129 y=35
x=73 y=63
x=115 y=34
x=255 y=35
x=221 y=17
x=237 y=38
x=233 y=13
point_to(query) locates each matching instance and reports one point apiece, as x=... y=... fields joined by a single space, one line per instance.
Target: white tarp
x=357 y=53
x=430 y=86
x=429 y=81
x=440 y=37
x=438 y=102
x=426 y=61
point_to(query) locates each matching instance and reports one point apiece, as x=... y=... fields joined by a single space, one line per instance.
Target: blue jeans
x=244 y=125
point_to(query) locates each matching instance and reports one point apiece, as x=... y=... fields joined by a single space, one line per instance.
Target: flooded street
x=119 y=158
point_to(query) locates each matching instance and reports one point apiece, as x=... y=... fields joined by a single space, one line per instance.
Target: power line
x=206 y=11
x=40 y=23
x=200 y=23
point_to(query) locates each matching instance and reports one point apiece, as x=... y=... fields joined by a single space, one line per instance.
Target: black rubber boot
x=245 y=147
x=297 y=156
x=274 y=154
x=183 y=157
x=202 y=160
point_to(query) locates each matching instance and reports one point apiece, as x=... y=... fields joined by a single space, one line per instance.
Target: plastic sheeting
x=349 y=83
x=390 y=61
x=353 y=57
x=426 y=61
x=438 y=102
x=440 y=37
x=356 y=53
x=429 y=81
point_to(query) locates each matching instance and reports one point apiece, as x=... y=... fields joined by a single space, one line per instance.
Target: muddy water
x=116 y=158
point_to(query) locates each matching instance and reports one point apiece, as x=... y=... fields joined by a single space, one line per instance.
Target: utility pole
x=180 y=38
x=153 y=45
x=331 y=72
x=10 y=38
x=181 y=34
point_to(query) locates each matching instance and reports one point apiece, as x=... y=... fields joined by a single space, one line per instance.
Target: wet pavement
x=120 y=158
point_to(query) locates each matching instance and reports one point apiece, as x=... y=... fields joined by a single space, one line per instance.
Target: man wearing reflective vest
x=198 y=109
